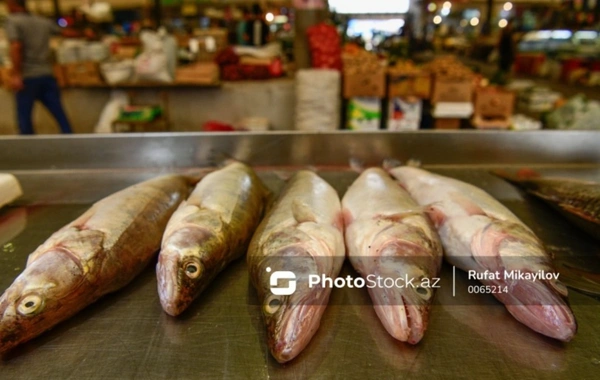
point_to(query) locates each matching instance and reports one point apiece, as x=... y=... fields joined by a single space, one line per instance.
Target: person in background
x=32 y=78
x=506 y=51
x=257 y=29
x=242 y=25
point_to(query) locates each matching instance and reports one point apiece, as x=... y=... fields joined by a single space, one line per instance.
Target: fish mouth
x=537 y=305
x=177 y=285
x=403 y=317
x=300 y=321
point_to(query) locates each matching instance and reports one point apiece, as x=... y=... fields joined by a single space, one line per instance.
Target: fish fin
x=576 y=211
x=436 y=214
x=391 y=163
x=357 y=165
x=485 y=246
x=302 y=213
x=398 y=217
x=344 y=218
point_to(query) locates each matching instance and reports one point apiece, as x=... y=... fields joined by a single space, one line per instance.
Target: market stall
x=127 y=335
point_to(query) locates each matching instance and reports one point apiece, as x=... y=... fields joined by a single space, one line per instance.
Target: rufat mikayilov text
x=372 y=281
x=540 y=275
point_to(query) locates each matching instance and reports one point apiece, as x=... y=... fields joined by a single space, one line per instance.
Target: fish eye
x=424 y=293
x=29 y=304
x=272 y=305
x=192 y=269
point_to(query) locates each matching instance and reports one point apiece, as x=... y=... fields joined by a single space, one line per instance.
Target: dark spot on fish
x=421 y=290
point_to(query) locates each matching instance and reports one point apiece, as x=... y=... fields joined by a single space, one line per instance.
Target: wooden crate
x=494 y=102
x=364 y=82
x=404 y=85
x=82 y=74
x=451 y=89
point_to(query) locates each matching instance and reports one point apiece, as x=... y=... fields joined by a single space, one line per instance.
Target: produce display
x=98 y=253
x=301 y=235
x=579 y=201
x=388 y=236
x=208 y=231
x=324 y=44
x=482 y=237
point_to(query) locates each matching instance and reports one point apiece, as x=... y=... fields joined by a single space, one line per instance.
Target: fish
x=208 y=231
x=98 y=253
x=481 y=236
x=301 y=235
x=578 y=201
x=389 y=236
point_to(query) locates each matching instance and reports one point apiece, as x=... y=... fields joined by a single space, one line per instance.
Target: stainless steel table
x=126 y=334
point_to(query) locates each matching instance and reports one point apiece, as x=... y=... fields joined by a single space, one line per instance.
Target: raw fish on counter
x=578 y=201
x=302 y=235
x=388 y=236
x=10 y=189
x=98 y=253
x=207 y=232
x=483 y=237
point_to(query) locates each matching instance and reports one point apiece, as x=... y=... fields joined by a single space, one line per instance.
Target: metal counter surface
x=126 y=335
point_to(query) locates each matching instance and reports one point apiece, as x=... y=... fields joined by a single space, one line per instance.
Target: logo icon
x=282 y=275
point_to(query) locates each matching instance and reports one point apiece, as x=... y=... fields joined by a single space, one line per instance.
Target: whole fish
x=479 y=234
x=97 y=253
x=578 y=201
x=207 y=232
x=302 y=235
x=388 y=236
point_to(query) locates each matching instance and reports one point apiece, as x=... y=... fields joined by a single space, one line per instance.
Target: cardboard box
x=210 y=43
x=404 y=114
x=198 y=73
x=364 y=114
x=83 y=74
x=447 y=123
x=364 y=83
x=448 y=89
x=405 y=85
x=494 y=102
x=480 y=122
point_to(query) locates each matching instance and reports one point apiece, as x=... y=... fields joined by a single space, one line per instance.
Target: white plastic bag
x=112 y=109
x=152 y=64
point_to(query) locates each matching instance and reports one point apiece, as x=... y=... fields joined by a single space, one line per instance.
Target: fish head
x=292 y=313
x=403 y=296
x=539 y=304
x=46 y=291
x=184 y=269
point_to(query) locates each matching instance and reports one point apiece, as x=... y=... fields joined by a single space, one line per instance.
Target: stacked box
x=493 y=108
x=407 y=80
x=82 y=74
x=363 y=76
